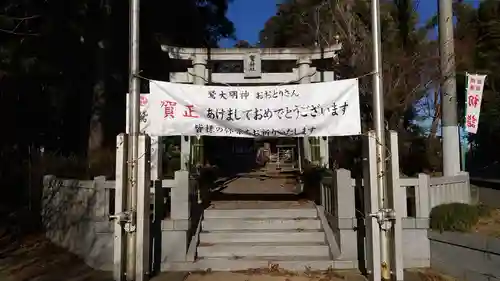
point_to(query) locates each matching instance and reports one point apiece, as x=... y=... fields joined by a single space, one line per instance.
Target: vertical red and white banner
x=143 y=116
x=156 y=149
x=475 y=87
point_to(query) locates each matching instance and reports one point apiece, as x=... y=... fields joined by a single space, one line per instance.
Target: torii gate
x=314 y=149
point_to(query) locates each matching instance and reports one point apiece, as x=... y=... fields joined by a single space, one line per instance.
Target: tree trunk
x=432 y=142
x=96 y=129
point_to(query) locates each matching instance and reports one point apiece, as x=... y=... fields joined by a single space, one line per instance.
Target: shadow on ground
x=33 y=258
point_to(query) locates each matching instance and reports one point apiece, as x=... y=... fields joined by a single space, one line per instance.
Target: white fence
x=420 y=194
x=429 y=192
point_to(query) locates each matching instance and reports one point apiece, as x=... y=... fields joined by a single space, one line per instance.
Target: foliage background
x=63 y=76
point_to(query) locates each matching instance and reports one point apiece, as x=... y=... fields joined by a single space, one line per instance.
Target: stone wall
x=75 y=215
x=72 y=212
x=466 y=256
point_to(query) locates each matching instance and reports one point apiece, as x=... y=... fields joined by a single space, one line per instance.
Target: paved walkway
x=267 y=180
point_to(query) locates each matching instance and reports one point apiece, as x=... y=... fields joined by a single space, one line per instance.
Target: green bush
x=313 y=174
x=456 y=216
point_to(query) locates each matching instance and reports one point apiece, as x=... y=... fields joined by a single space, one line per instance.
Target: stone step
x=261 y=213
x=222 y=264
x=260 y=224
x=262 y=236
x=247 y=250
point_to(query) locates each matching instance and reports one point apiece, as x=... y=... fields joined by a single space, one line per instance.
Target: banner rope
x=378 y=142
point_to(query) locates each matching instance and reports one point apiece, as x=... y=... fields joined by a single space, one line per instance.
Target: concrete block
x=174 y=246
x=422 y=223
x=347 y=223
x=408 y=223
x=470 y=240
x=170 y=224
x=416 y=246
x=457 y=260
x=476 y=276
x=348 y=245
x=179 y=209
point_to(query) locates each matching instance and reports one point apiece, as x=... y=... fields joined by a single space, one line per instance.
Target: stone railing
x=427 y=192
x=343 y=201
x=75 y=215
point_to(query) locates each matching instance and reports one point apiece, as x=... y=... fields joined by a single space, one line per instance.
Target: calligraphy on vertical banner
x=143 y=115
x=143 y=125
x=475 y=87
x=319 y=109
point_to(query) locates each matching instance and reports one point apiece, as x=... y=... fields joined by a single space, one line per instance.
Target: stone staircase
x=245 y=238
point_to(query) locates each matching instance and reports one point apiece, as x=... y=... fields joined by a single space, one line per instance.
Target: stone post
x=396 y=198
x=180 y=196
x=156 y=158
x=101 y=207
x=324 y=152
x=422 y=205
x=345 y=214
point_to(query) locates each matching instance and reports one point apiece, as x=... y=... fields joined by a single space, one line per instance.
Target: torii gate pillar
x=304 y=64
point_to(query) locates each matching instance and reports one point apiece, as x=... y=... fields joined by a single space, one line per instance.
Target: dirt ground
x=489 y=225
x=35 y=259
x=279 y=275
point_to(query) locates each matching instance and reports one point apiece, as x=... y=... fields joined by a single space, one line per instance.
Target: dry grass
x=429 y=275
x=274 y=273
x=489 y=225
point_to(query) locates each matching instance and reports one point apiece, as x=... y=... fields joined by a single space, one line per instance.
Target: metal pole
x=451 y=142
x=379 y=122
x=134 y=99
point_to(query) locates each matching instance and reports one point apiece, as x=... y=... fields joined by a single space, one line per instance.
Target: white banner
x=475 y=87
x=320 y=109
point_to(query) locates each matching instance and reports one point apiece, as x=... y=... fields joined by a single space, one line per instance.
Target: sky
x=249 y=17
